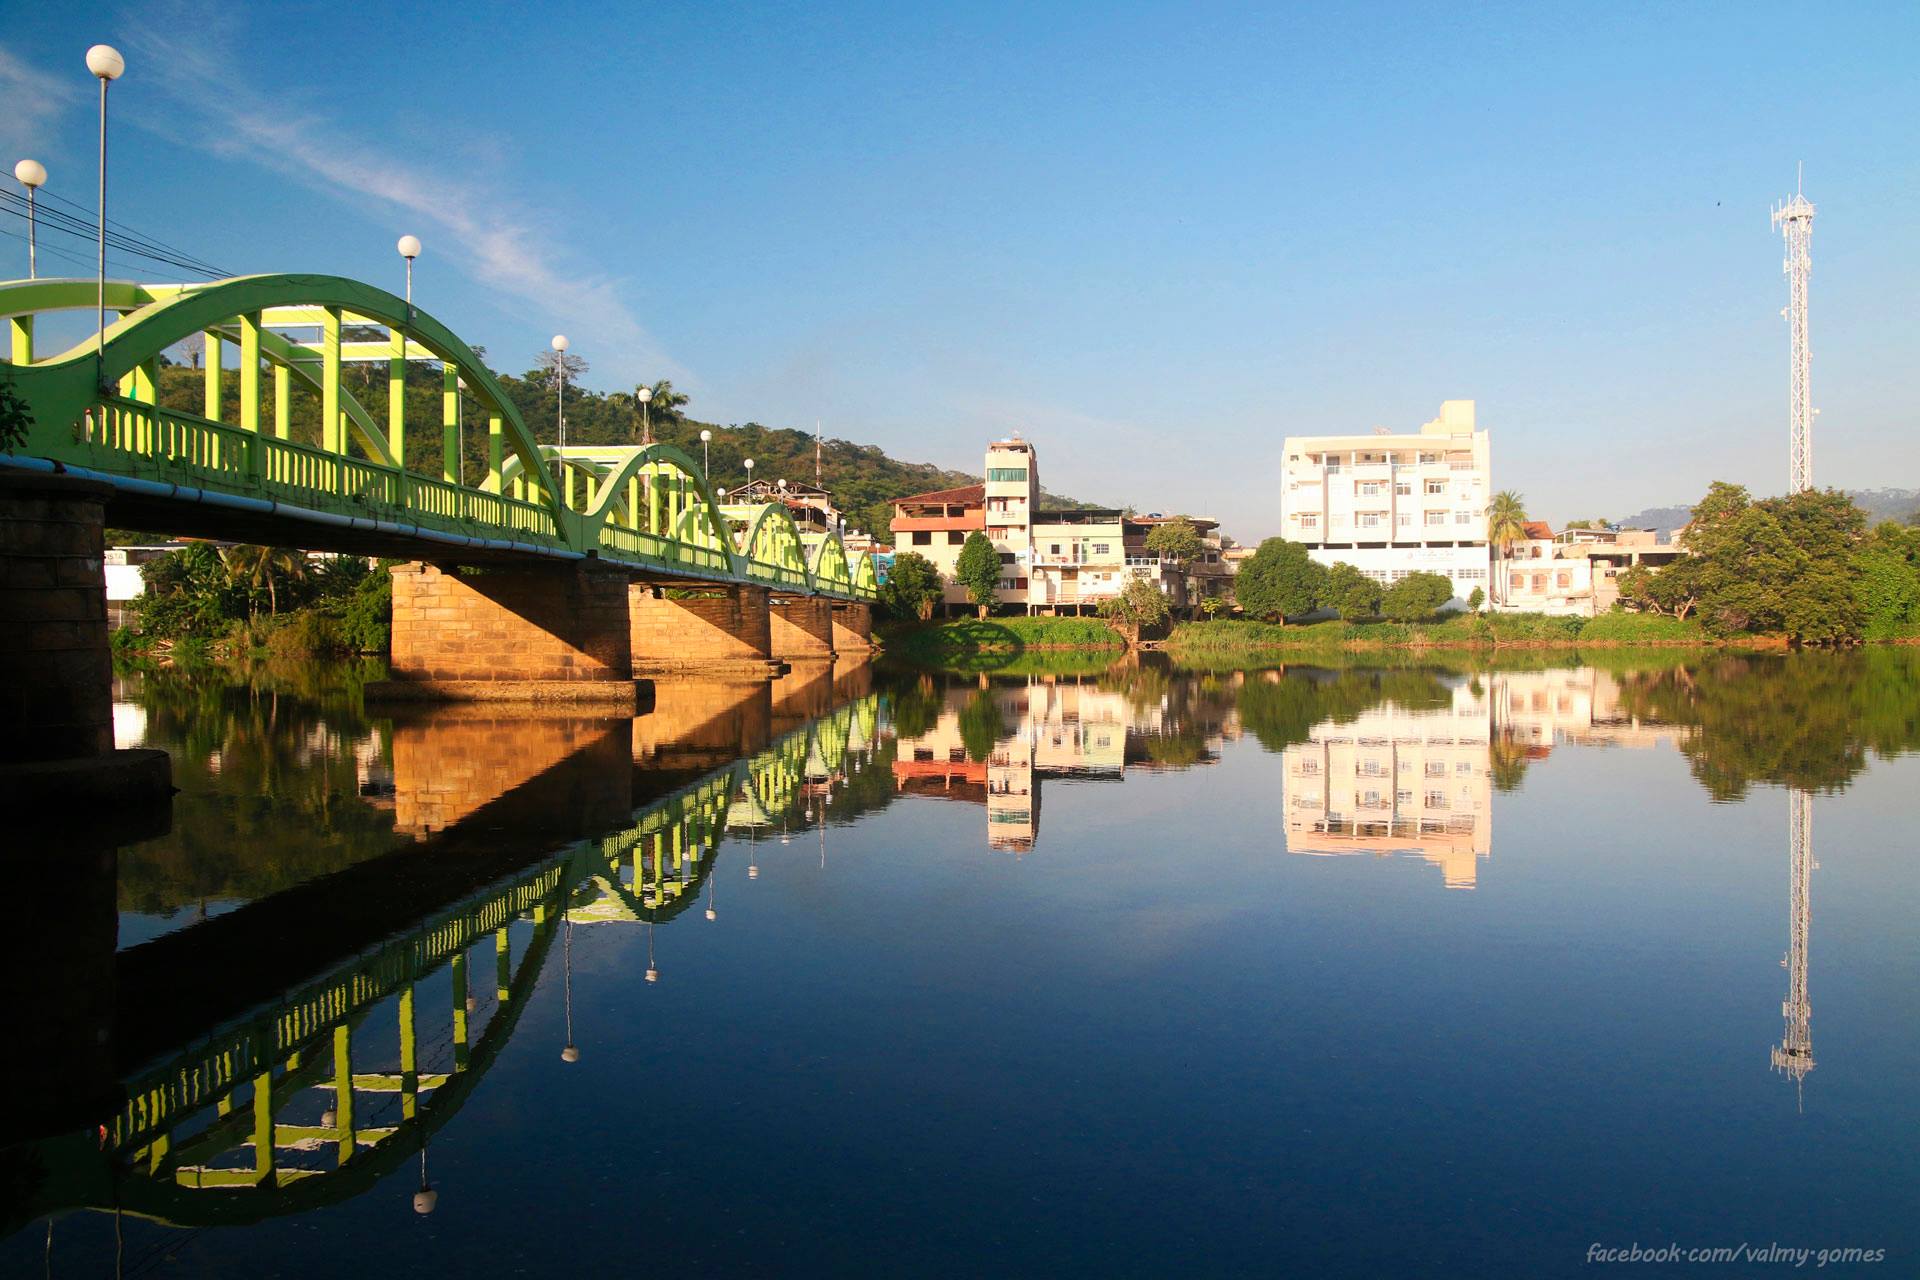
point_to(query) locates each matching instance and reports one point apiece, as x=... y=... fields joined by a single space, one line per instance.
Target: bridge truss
x=644 y=508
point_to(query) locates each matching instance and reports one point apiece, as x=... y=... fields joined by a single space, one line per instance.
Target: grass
x=1456 y=630
x=967 y=641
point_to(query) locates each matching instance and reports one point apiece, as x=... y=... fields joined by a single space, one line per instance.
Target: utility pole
x=1794 y=218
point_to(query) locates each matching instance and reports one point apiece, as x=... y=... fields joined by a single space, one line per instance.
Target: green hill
x=863 y=478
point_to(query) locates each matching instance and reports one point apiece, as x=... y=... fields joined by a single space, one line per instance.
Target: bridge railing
x=244 y=463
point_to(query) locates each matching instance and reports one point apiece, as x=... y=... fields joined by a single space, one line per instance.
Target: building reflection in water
x=995 y=744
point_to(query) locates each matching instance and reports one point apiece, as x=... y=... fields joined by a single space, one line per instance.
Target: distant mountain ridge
x=1879 y=504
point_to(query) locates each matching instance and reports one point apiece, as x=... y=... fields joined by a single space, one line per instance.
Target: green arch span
x=58 y=389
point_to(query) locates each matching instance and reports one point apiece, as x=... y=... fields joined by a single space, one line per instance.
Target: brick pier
x=802 y=628
x=56 y=665
x=549 y=634
x=716 y=632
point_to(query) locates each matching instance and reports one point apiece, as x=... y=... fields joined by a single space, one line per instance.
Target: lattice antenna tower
x=1793 y=1056
x=1794 y=218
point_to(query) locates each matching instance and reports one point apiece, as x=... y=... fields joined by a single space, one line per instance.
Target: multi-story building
x=1573 y=573
x=1064 y=561
x=1391 y=505
x=935 y=525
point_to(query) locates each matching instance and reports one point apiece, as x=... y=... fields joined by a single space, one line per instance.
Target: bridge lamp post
x=31 y=174
x=106 y=64
x=645 y=396
x=749 y=473
x=409 y=247
x=560 y=368
x=706 y=438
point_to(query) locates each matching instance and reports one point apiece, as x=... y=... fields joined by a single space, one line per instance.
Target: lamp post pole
x=706 y=438
x=31 y=173
x=409 y=247
x=749 y=473
x=106 y=64
x=560 y=370
x=644 y=395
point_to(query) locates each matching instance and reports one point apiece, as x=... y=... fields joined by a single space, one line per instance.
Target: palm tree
x=252 y=568
x=1506 y=528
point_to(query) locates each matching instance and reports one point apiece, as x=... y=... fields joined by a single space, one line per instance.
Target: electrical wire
x=60 y=221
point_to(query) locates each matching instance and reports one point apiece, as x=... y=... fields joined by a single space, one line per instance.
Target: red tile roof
x=1539 y=530
x=967 y=493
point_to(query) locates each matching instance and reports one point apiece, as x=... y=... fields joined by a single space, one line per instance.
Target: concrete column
x=718 y=632
x=852 y=628
x=56 y=667
x=801 y=628
x=548 y=634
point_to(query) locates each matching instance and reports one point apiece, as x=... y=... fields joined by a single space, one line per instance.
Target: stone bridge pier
x=56 y=667
x=717 y=632
x=802 y=628
x=548 y=634
x=852 y=628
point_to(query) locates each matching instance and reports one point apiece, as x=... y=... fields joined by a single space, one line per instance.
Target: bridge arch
x=59 y=389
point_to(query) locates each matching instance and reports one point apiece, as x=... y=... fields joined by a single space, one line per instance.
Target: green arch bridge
x=646 y=509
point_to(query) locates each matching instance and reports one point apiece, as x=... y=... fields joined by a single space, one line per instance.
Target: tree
x=547 y=361
x=1280 y=581
x=1177 y=541
x=1506 y=529
x=1416 y=597
x=1351 y=593
x=1887 y=582
x=254 y=569
x=1142 y=604
x=1674 y=589
x=15 y=418
x=1475 y=599
x=978 y=570
x=1776 y=565
x=912 y=588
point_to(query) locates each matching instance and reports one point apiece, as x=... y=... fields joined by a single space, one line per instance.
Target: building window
x=1436 y=768
x=1436 y=799
x=1006 y=557
x=1006 y=475
x=1403 y=487
x=1436 y=487
x=1539 y=582
x=1405 y=519
x=1310 y=520
x=1429 y=457
x=1436 y=518
x=1102 y=548
x=956 y=537
x=1563 y=579
x=1518 y=581
x=1368 y=488
x=922 y=538
x=1370 y=520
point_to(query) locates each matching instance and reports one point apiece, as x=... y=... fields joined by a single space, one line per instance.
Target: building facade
x=1063 y=561
x=1391 y=505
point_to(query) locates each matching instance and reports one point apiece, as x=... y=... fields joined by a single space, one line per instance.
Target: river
x=1425 y=969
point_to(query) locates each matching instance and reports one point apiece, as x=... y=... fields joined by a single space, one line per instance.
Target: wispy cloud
x=503 y=242
x=33 y=98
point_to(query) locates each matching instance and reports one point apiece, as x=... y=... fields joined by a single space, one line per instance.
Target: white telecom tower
x=1795 y=219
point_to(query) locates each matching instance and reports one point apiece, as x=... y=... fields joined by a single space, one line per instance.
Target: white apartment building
x=1391 y=505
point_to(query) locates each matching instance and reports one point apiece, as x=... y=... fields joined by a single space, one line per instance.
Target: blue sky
x=1157 y=239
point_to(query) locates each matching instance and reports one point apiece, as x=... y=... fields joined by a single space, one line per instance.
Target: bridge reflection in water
x=273 y=1081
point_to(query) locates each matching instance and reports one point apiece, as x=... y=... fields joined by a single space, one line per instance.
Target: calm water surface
x=1428 y=970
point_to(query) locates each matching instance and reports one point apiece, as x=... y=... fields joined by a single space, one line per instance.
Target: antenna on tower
x=1794 y=218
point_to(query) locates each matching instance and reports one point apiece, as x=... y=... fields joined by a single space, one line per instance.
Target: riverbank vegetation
x=249 y=599
x=1458 y=630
